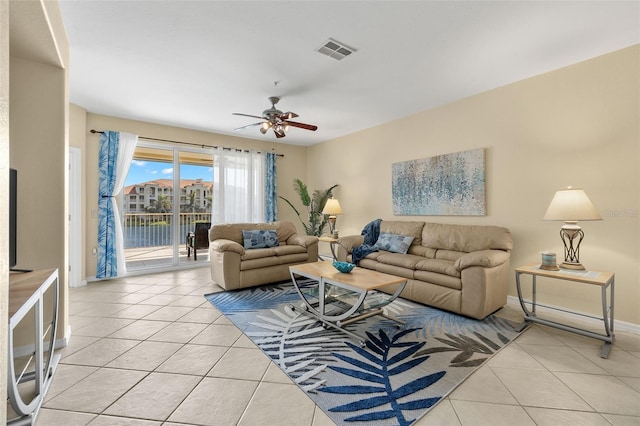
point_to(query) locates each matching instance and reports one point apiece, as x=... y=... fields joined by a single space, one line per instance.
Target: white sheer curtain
x=238 y=187
x=127 y=148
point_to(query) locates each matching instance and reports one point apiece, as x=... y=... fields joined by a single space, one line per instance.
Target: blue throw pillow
x=394 y=243
x=259 y=238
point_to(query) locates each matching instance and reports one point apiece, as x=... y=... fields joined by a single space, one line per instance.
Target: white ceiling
x=192 y=63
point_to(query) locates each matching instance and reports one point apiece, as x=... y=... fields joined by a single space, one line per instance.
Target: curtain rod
x=188 y=143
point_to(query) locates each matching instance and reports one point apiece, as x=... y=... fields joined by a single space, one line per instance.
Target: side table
x=332 y=241
x=604 y=280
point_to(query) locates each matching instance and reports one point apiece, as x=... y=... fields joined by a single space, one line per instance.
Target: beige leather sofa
x=458 y=268
x=233 y=266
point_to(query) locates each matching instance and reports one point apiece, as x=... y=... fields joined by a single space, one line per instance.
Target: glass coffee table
x=338 y=299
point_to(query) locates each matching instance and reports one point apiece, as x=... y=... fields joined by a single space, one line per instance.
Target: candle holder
x=549 y=262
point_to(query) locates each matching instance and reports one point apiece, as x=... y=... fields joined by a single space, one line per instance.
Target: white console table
x=26 y=295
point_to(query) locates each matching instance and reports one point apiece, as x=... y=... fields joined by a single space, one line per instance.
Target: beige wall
x=33 y=138
x=39 y=153
x=574 y=126
x=4 y=196
x=38 y=119
x=293 y=165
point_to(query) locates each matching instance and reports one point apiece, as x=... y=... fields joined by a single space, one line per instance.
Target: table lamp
x=332 y=208
x=571 y=205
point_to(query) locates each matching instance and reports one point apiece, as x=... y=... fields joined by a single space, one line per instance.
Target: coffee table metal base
x=339 y=325
x=354 y=311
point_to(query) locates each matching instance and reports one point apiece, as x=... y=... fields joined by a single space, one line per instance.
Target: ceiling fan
x=273 y=118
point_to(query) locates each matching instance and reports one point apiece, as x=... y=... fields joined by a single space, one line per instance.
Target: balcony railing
x=156 y=229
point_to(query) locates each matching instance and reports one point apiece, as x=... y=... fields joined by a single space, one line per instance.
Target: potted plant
x=314 y=204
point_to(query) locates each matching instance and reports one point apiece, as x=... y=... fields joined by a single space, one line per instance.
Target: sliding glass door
x=167 y=195
x=196 y=199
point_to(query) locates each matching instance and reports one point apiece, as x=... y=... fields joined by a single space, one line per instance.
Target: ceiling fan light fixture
x=279 y=132
x=276 y=120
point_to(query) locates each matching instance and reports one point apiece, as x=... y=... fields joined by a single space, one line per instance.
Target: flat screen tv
x=13 y=210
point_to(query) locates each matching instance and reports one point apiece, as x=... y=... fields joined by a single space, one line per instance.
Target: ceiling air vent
x=335 y=49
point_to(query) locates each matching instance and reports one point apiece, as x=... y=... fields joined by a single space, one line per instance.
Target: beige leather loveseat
x=458 y=268
x=235 y=265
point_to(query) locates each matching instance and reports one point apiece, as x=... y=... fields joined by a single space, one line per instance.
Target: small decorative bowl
x=344 y=267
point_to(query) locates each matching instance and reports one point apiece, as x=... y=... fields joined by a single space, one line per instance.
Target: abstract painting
x=444 y=185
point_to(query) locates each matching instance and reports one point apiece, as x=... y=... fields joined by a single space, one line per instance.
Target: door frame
x=75 y=218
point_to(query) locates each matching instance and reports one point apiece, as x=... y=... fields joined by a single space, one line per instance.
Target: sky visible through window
x=145 y=171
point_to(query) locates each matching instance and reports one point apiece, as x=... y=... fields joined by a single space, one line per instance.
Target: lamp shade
x=571 y=205
x=332 y=207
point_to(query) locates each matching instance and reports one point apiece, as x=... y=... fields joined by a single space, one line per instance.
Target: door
x=167 y=191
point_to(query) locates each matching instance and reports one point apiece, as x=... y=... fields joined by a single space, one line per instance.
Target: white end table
x=604 y=280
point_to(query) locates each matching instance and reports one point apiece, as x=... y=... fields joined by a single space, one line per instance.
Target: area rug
x=399 y=375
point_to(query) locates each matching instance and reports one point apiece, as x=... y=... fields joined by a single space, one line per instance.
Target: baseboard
x=80 y=284
x=138 y=272
x=617 y=325
x=28 y=350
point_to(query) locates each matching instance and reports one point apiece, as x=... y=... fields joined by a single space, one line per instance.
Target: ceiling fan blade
x=288 y=115
x=248 y=125
x=301 y=125
x=247 y=115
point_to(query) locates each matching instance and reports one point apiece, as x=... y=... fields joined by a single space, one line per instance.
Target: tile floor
x=150 y=350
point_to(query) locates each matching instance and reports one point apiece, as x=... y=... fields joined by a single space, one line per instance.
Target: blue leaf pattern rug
x=395 y=379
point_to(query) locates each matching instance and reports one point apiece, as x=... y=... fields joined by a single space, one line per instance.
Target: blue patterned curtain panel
x=114 y=159
x=270 y=188
x=107 y=161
